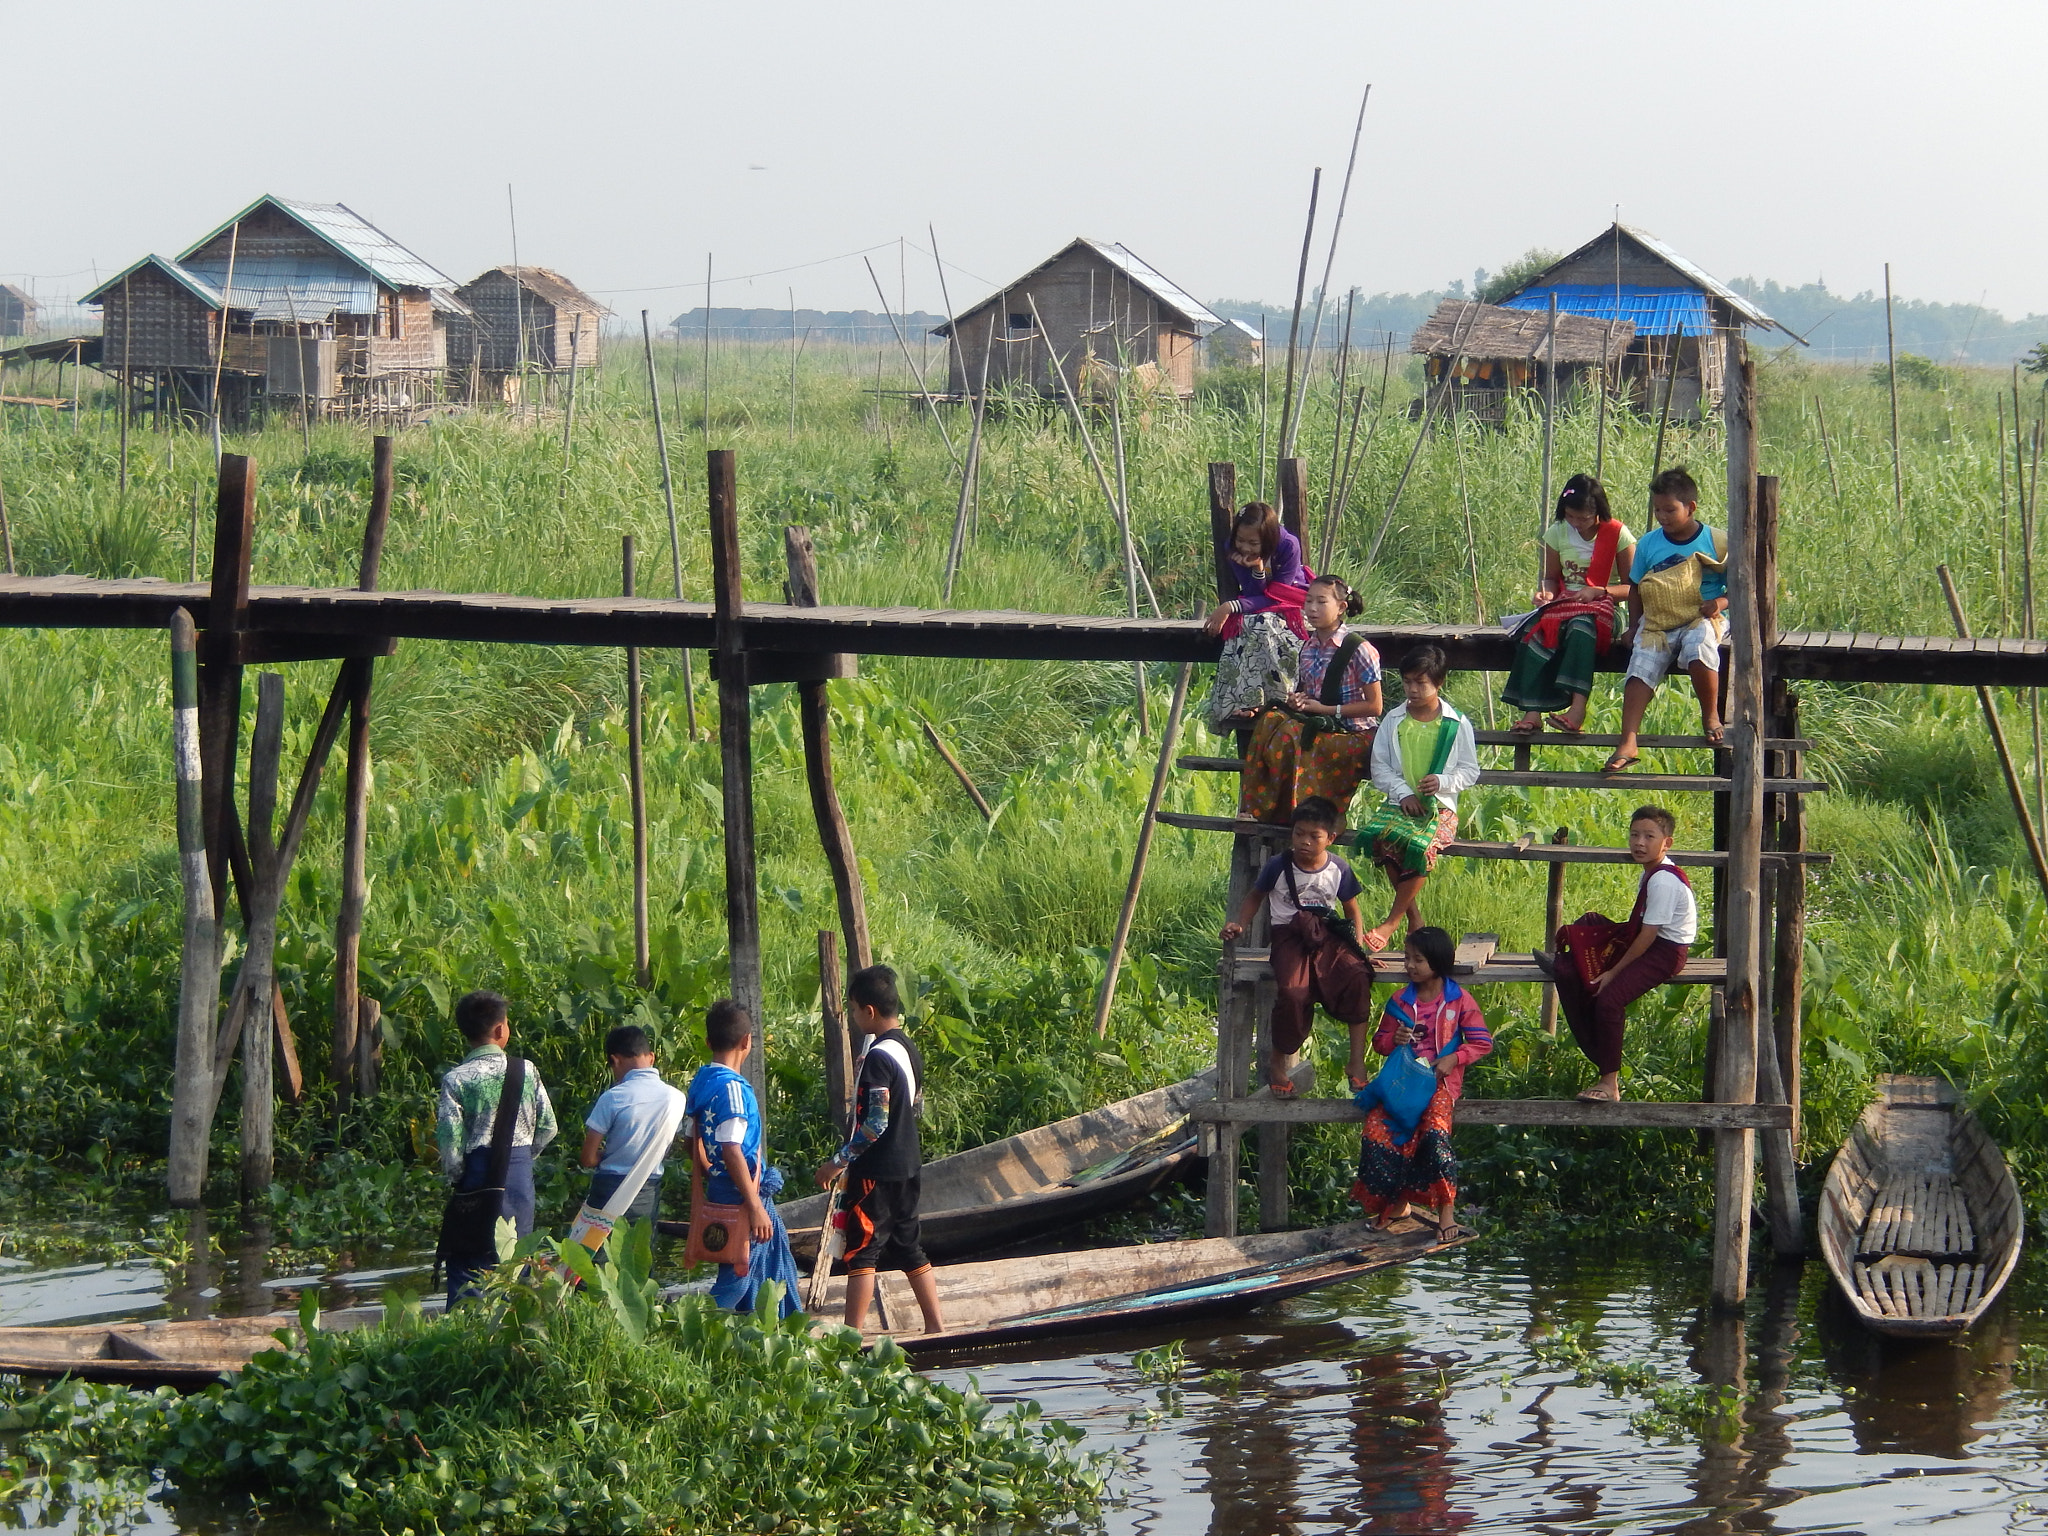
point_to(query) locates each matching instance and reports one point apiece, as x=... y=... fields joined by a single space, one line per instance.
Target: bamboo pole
x=1265 y=403
x=127 y=379
x=2014 y=787
x=1167 y=740
x=1340 y=492
x=1549 y=428
x=192 y=1092
x=1353 y=465
x=1553 y=917
x=1286 y=438
x=1330 y=486
x=1429 y=408
x=569 y=412
x=1123 y=497
x=668 y=496
x=1336 y=231
x=1891 y=353
x=7 y=535
x=815 y=712
x=2027 y=567
x=923 y=393
x=1827 y=448
x=960 y=773
x=707 y=353
x=636 y=772
x=2004 y=528
x=1664 y=414
x=970 y=476
x=736 y=754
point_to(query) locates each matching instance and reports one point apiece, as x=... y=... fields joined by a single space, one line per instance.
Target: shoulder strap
x=893 y=1049
x=1600 y=570
x=1293 y=892
x=1446 y=738
x=1333 y=676
x=509 y=1097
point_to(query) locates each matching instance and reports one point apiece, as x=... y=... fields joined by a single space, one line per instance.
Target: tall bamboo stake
x=1265 y=404
x=127 y=380
x=970 y=477
x=1670 y=389
x=7 y=535
x=2004 y=529
x=1821 y=413
x=1167 y=740
x=1336 y=230
x=1330 y=487
x=668 y=496
x=1891 y=353
x=707 y=357
x=1429 y=408
x=1549 y=427
x=1989 y=705
x=794 y=348
x=192 y=1091
x=518 y=295
x=1308 y=234
x=1472 y=564
x=2027 y=558
x=569 y=412
x=922 y=393
x=1340 y=493
x=636 y=784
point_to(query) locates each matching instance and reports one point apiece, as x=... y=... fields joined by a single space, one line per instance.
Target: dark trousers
x=1597 y=1021
x=646 y=1205
x=1312 y=965
x=516 y=1206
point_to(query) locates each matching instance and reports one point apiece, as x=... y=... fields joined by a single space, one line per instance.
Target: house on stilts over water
x=305 y=302
x=521 y=321
x=1106 y=313
x=1491 y=351
x=1685 y=320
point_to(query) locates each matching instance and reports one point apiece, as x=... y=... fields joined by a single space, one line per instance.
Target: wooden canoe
x=1040 y=1180
x=1098 y=1290
x=1920 y=1221
x=187 y=1355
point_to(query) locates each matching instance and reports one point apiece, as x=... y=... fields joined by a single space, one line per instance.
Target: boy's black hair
x=874 y=987
x=726 y=1024
x=1583 y=492
x=1659 y=815
x=1427 y=660
x=478 y=1013
x=1351 y=602
x=1317 y=811
x=1436 y=947
x=628 y=1040
x=1676 y=483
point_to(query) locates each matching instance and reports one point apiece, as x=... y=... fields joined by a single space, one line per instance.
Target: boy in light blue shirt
x=625 y=1119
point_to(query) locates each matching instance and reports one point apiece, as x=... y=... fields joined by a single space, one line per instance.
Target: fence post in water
x=192 y=1092
x=1743 y=717
x=636 y=783
x=814 y=703
x=736 y=754
x=358 y=674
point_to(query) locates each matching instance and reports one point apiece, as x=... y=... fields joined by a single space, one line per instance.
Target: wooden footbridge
x=1758 y=862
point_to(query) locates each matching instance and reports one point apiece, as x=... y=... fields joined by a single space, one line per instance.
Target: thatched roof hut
x=1495 y=350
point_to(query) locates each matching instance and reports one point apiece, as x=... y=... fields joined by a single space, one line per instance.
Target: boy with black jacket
x=882 y=1161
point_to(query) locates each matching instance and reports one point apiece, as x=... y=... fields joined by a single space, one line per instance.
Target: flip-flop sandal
x=1359 y=1084
x=1447 y=1231
x=1620 y=764
x=1595 y=1096
x=1562 y=726
x=1283 y=1090
x=1519 y=729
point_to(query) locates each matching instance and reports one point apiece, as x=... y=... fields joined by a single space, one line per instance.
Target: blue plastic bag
x=1403 y=1087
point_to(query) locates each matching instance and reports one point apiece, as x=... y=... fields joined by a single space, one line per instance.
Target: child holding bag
x=1431 y=1026
x=1321 y=743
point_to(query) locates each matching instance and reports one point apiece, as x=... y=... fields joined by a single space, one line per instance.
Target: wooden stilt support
x=358 y=674
x=192 y=1090
x=815 y=706
x=1222 y=514
x=736 y=755
x=1736 y=1074
x=838 y=1039
x=1553 y=919
x=1294 y=496
x=1236 y=994
x=259 y=958
x=1788 y=964
x=636 y=782
x=220 y=673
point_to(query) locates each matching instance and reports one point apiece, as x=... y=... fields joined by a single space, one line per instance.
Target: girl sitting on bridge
x=1320 y=743
x=1262 y=627
x=1585 y=569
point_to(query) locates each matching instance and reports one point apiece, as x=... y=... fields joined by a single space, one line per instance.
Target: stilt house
x=1105 y=311
x=1683 y=319
x=17 y=311
x=523 y=320
x=1491 y=351
x=304 y=300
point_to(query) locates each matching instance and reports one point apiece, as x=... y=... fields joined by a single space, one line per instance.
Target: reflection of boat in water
x=1098 y=1290
x=1920 y=1220
x=1039 y=1180
x=1928 y=1397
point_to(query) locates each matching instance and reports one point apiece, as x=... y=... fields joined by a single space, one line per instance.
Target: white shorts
x=1699 y=642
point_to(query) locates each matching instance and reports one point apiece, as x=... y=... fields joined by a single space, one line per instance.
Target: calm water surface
x=1412 y=1402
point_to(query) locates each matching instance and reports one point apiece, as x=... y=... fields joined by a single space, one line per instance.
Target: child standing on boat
x=1423 y=758
x=1401 y=1164
x=882 y=1160
x=1678 y=594
x=1321 y=743
x=1318 y=957
x=723 y=1114
x=1627 y=959
x=1262 y=627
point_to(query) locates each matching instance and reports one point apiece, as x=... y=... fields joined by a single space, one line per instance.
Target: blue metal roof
x=293 y=288
x=1653 y=311
x=353 y=237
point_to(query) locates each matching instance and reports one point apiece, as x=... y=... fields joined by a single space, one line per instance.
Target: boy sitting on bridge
x=1678 y=592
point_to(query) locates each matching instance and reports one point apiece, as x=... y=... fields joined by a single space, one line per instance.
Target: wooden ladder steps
x=1524 y=850
x=1251 y=964
x=1672 y=783
x=1261 y=1108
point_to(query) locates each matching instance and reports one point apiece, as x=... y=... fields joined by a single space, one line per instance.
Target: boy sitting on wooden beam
x=1678 y=592
x=1602 y=966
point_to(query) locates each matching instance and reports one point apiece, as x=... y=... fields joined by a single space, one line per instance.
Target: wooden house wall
x=158 y=324
x=17 y=315
x=266 y=232
x=1089 y=308
x=573 y=336
x=492 y=339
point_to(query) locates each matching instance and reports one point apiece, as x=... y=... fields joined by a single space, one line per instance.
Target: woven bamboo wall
x=150 y=321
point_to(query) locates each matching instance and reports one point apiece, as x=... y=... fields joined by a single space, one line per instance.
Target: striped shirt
x=1316 y=656
x=469 y=1108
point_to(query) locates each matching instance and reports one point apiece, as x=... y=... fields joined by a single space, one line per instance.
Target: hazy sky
x=1774 y=138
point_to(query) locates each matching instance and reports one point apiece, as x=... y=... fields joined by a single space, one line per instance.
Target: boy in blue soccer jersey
x=724 y=1117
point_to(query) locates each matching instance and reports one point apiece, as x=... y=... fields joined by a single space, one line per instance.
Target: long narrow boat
x=1001 y=1301
x=1098 y=1290
x=1039 y=1180
x=1920 y=1221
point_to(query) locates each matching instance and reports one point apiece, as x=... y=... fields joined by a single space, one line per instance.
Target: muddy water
x=1414 y=1402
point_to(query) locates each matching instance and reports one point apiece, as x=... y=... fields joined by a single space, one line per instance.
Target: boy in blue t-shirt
x=723 y=1120
x=625 y=1118
x=1677 y=595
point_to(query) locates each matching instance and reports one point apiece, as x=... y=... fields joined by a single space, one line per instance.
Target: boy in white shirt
x=1666 y=920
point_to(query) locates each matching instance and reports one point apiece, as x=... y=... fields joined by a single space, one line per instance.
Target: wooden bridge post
x=1734 y=1150
x=1294 y=496
x=1780 y=1154
x=1233 y=1004
x=1788 y=964
x=815 y=705
x=736 y=755
x=220 y=671
x=192 y=1092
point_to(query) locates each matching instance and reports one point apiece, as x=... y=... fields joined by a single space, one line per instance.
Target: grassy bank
x=500 y=831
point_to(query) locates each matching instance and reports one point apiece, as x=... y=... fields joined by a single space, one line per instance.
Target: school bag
x=469 y=1221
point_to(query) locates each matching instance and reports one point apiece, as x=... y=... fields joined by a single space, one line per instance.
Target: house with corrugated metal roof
x=523 y=320
x=305 y=301
x=1489 y=351
x=1684 y=319
x=1104 y=312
